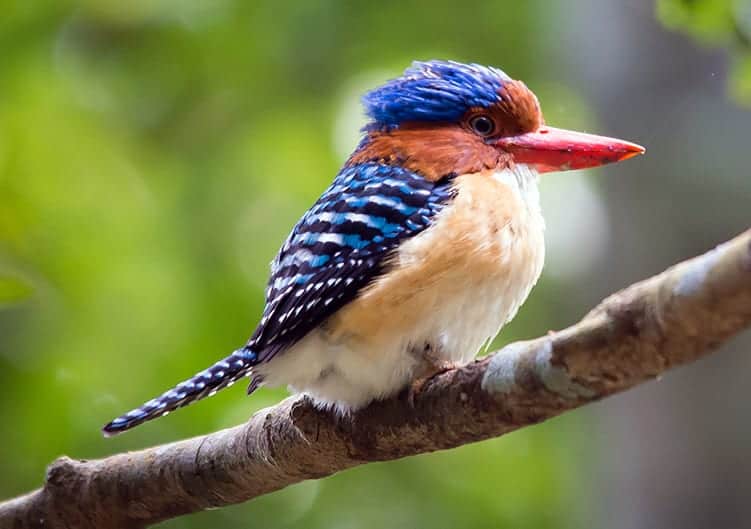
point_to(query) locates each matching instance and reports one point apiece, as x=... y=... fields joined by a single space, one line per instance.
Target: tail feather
x=222 y=374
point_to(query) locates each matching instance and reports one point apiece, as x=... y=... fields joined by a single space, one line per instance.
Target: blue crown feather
x=434 y=91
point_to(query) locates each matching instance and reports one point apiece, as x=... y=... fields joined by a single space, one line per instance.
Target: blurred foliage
x=153 y=155
x=724 y=23
x=12 y=290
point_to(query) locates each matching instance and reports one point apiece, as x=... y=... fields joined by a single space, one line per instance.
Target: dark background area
x=154 y=154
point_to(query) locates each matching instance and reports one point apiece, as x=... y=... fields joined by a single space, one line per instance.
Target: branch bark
x=632 y=336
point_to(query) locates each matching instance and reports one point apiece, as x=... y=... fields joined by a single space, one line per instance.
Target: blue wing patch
x=339 y=246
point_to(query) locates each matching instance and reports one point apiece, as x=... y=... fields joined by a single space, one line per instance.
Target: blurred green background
x=154 y=154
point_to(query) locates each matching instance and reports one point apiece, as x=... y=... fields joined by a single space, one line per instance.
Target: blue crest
x=434 y=91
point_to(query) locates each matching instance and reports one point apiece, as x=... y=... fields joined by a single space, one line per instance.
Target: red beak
x=550 y=149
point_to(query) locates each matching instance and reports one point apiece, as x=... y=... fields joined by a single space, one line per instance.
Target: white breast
x=452 y=286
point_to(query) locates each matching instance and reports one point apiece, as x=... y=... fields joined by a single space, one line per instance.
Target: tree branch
x=634 y=335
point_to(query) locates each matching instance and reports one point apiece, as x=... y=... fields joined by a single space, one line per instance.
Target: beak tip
x=632 y=150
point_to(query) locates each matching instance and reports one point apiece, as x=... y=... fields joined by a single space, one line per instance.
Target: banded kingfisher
x=425 y=244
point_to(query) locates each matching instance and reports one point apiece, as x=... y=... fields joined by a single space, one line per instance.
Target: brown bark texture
x=634 y=335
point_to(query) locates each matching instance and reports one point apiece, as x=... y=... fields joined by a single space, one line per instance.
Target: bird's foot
x=417 y=385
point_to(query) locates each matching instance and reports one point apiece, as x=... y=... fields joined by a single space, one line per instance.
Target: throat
x=522 y=181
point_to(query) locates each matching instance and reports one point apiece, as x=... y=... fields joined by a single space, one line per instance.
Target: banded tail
x=204 y=384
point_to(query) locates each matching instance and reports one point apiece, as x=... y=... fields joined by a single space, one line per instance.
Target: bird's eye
x=482 y=125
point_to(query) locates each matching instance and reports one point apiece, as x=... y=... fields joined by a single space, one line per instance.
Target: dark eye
x=482 y=125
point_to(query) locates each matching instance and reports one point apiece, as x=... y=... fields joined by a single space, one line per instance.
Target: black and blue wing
x=340 y=245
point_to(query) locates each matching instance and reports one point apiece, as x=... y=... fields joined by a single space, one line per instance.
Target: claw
x=419 y=383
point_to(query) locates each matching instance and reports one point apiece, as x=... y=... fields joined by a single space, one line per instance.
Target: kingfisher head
x=447 y=118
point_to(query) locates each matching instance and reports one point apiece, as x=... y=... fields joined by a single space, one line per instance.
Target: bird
x=425 y=244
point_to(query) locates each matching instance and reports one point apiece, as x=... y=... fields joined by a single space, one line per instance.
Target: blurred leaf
x=13 y=290
x=725 y=23
x=740 y=81
x=708 y=20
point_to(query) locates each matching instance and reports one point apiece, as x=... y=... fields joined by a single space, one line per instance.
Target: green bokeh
x=725 y=23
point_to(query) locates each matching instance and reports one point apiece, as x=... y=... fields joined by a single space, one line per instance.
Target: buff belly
x=447 y=292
